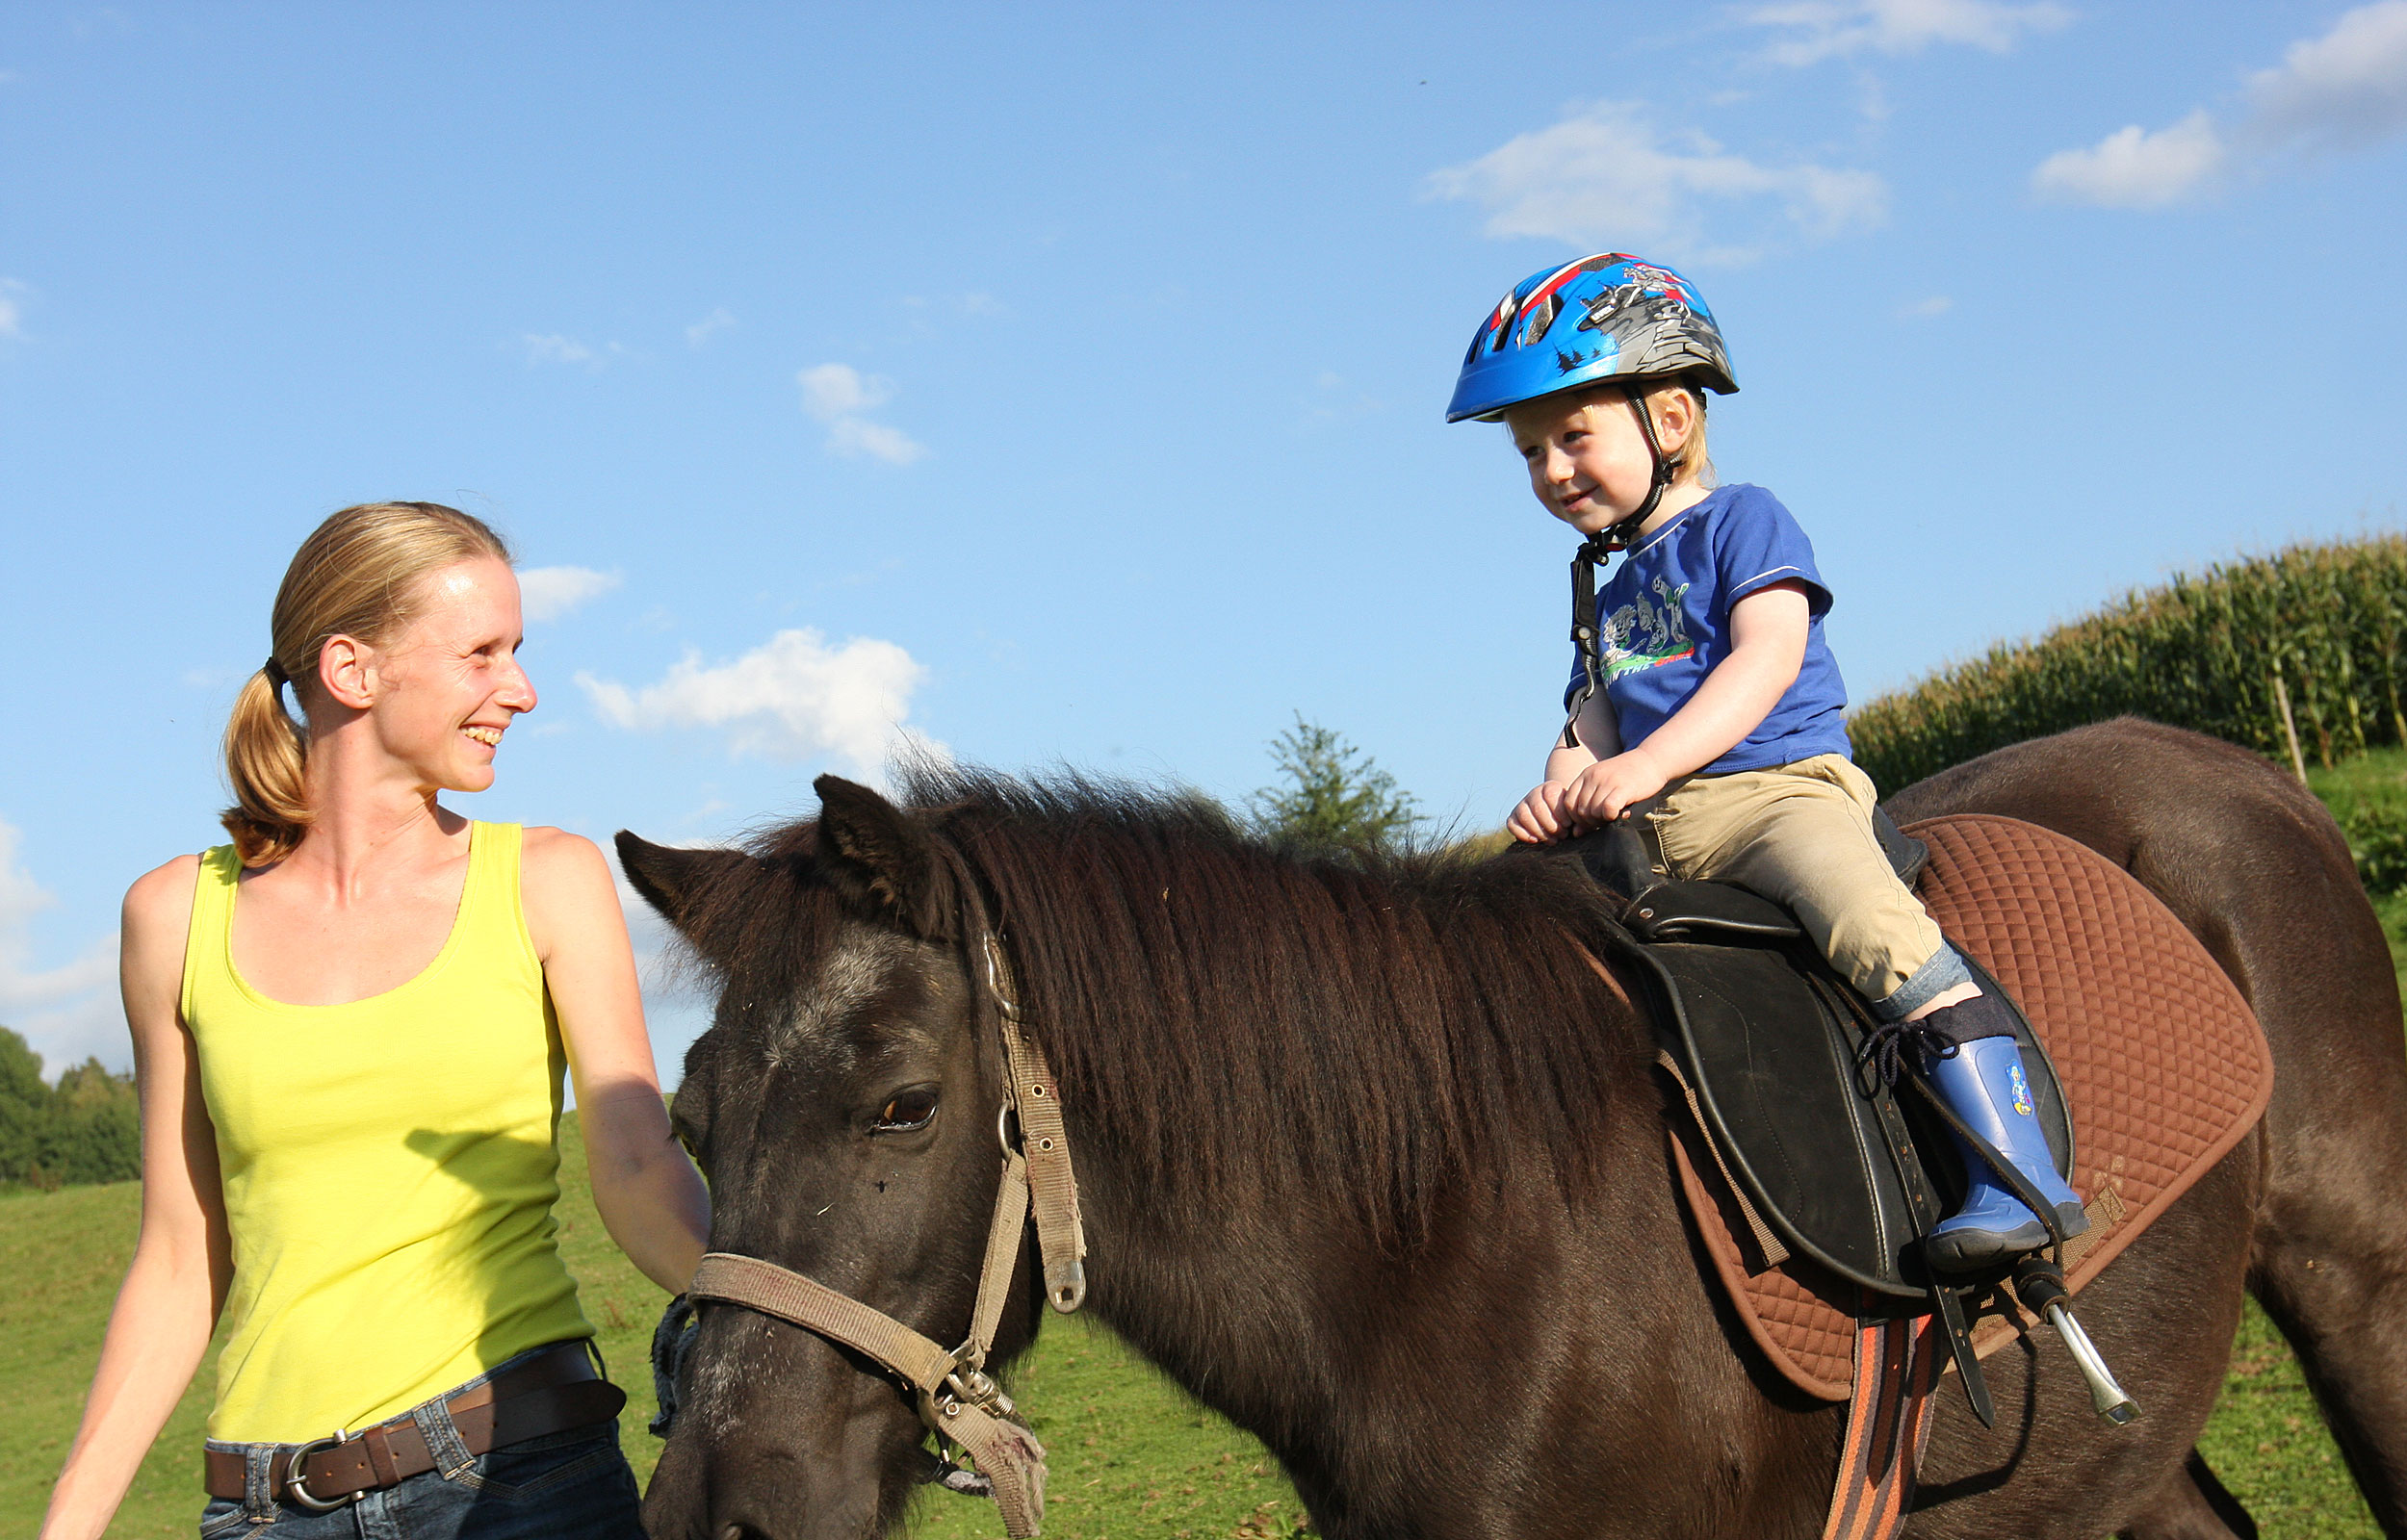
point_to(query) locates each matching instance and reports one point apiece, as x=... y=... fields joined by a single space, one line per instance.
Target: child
x=1708 y=681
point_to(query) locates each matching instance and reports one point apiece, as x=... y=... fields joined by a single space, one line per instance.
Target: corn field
x=2315 y=627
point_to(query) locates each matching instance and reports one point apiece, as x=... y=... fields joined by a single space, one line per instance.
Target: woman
x=349 y=1031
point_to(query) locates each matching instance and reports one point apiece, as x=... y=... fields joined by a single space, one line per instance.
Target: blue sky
x=1063 y=384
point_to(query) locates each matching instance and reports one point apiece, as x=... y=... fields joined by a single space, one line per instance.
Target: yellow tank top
x=389 y=1166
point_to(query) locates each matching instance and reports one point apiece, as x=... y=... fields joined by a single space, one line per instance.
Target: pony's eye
x=908 y=1110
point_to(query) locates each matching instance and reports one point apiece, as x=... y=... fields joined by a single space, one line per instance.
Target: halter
x=1593 y=554
x=958 y=1400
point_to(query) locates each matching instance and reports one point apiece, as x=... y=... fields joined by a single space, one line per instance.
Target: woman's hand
x=1608 y=789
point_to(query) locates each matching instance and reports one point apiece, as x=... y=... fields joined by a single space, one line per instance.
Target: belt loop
x=442 y=1435
x=261 y=1463
x=379 y=1456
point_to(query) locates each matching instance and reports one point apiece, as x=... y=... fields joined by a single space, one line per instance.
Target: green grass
x=1128 y=1453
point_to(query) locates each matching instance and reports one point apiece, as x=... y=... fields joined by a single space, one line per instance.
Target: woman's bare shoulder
x=554 y=861
x=162 y=897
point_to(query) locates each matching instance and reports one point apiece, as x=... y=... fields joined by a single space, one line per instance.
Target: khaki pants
x=1801 y=834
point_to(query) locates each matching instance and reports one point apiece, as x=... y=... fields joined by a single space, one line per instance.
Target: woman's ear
x=347 y=670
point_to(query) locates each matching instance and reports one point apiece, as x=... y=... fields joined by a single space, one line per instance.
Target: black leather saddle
x=1767 y=1042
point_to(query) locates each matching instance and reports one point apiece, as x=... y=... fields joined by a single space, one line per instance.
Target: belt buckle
x=299 y=1488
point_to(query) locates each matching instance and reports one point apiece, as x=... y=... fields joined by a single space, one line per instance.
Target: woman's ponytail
x=265 y=750
x=357 y=575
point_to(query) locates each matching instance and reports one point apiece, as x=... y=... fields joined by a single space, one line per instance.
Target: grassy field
x=1130 y=1455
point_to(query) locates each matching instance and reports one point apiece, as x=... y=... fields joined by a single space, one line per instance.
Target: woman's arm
x=182 y=1264
x=651 y=1197
x=1768 y=631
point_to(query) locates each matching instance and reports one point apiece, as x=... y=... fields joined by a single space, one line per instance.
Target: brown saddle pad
x=2164 y=1066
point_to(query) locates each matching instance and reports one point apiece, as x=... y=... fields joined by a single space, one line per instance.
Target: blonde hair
x=357 y=575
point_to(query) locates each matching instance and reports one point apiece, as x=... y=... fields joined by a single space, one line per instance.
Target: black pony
x=1372 y=1160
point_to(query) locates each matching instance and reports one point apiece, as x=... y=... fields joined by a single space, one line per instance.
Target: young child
x=1709 y=682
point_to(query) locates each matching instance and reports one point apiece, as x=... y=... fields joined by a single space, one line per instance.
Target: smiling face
x=1587 y=462
x=442 y=690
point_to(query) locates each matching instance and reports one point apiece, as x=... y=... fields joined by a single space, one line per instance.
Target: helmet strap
x=1593 y=552
x=1664 y=474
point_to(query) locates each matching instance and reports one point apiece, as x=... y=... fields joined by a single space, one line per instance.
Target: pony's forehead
x=858 y=962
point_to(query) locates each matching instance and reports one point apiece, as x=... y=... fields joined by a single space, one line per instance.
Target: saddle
x=1766 y=1044
x=1804 y=1173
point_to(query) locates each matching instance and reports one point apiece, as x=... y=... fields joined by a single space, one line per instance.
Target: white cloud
x=555 y=348
x=838 y=395
x=547 y=593
x=1603 y=176
x=832 y=391
x=794 y=697
x=2344 y=90
x=853 y=435
x=1837 y=29
x=1925 y=309
x=2131 y=169
x=709 y=326
x=11 y=312
x=69 y=1012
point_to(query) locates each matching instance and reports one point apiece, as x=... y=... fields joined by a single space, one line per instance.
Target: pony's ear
x=880 y=856
x=671 y=878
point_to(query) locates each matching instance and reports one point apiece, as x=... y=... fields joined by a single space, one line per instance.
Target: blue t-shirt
x=1663 y=621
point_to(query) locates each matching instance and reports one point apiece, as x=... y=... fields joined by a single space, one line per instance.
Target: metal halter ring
x=298 y=1489
x=995 y=969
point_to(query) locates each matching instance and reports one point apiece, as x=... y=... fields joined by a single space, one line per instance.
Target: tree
x=87 y=1128
x=1332 y=797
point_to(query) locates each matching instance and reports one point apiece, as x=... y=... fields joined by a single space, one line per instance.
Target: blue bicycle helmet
x=1633 y=319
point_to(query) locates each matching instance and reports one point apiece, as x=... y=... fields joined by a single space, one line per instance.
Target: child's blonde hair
x=357 y=575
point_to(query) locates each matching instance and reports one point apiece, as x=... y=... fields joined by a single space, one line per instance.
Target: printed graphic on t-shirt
x=1648 y=634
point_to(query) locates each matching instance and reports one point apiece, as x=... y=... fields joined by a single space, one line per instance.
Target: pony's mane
x=1232 y=1013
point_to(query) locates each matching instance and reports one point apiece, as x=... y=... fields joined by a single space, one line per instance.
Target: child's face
x=1587 y=462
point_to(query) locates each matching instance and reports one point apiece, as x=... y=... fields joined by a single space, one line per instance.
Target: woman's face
x=448 y=685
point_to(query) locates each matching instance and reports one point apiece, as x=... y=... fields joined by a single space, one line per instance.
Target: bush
x=87 y=1128
x=2319 y=624
x=1335 y=799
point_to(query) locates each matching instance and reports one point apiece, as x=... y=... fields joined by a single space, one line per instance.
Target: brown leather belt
x=549 y=1393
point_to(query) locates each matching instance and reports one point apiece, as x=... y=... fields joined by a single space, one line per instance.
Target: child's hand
x=1599 y=794
x=1534 y=821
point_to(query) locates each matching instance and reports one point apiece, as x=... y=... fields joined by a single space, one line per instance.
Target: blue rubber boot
x=1982 y=1082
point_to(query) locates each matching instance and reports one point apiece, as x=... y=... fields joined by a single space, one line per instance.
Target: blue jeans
x=565 y=1486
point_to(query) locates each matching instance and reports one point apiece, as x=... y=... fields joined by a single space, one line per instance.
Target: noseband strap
x=958 y=1400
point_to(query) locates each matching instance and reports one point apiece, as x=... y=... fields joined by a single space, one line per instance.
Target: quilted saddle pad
x=2163 y=1066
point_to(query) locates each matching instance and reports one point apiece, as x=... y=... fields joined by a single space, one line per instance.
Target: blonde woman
x=350 y=1027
